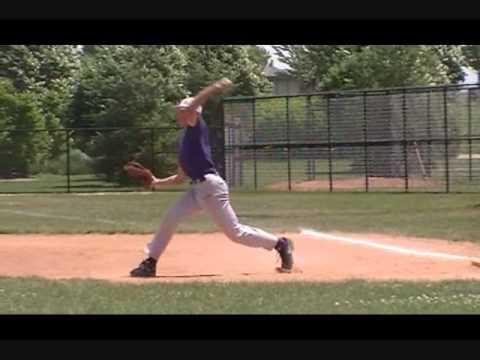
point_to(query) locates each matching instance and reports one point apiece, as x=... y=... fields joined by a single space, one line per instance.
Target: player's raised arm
x=213 y=89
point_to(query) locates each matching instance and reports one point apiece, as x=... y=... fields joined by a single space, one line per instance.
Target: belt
x=198 y=181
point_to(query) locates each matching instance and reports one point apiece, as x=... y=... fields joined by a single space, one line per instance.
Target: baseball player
x=208 y=192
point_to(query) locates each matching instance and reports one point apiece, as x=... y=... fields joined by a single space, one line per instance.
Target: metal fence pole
x=222 y=146
x=365 y=139
x=445 y=129
x=405 y=144
x=254 y=127
x=288 y=145
x=329 y=134
x=309 y=129
x=469 y=104
x=429 y=133
x=152 y=149
x=67 y=136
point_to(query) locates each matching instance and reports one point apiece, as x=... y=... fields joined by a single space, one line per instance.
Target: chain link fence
x=391 y=140
x=394 y=140
x=89 y=160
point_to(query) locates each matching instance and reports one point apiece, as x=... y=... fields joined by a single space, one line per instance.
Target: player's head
x=184 y=115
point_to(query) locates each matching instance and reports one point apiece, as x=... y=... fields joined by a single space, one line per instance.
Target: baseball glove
x=137 y=171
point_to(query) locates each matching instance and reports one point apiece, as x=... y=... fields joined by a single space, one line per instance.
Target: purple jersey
x=195 y=151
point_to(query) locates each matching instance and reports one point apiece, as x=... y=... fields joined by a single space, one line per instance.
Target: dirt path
x=356 y=184
x=212 y=257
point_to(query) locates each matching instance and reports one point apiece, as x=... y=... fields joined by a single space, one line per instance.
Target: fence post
x=288 y=145
x=67 y=136
x=222 y=146
x=254 y=127
x=470 y=177
x=365 y=139
x=152 y=149
x=308 y=128
x=445 y=129
x=429 y=134
x=329 y=134
x=405 y=144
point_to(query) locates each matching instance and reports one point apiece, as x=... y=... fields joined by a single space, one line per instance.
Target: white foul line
x=387 y=247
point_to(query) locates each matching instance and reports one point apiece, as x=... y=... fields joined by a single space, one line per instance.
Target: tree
x=125 y=86
x=370 y=66
x=388 y=66
x=21 y=145
x=207 y=63
x=311 y=63
x=258 y=55
x=453 y=57
x=19 y=65
x=48 y=73
x=261 y=56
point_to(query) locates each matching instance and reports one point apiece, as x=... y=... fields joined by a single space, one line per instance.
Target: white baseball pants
x=212 y=196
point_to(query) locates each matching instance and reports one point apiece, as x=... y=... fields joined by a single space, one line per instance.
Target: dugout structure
x=418 y=139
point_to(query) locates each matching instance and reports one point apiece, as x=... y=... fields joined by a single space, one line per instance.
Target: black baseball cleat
x=147 y=268
x=285 y=250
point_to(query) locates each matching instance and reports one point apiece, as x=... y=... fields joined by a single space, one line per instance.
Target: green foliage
x=123 y=87
x=453 y=57
x=311 y=63
x=80 y=164
x=373 y=66
x=19 y=65
x=20 y=151
x=387 y=66
x=207 y=63
x=241 y=64
x=48 y=73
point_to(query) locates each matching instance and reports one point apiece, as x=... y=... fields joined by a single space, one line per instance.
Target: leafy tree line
x=102 y=86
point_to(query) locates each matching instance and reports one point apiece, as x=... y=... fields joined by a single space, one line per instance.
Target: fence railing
x=421 y=139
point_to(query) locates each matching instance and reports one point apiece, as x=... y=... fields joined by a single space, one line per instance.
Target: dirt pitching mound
x=355 y=184
x=212 y=257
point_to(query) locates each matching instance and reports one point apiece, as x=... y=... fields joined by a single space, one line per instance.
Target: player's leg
x=183 y=208
x=213 y=196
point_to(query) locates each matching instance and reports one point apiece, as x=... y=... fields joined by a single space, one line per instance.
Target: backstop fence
x=422 y=139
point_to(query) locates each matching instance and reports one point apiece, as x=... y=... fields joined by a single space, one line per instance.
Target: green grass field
x=58 y=184
x=268 y=172
x=36 y=296
x=444 y=216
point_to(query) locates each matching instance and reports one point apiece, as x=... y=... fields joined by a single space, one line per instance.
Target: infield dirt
x=213 y=257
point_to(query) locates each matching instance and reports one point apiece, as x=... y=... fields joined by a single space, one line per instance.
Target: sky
x=276 y=62
x=471 y=76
